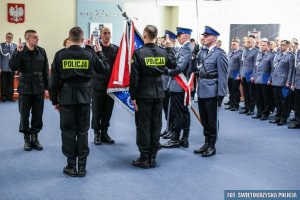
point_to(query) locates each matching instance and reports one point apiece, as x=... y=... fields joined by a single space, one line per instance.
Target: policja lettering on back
x=155 y=61
x=75 y=64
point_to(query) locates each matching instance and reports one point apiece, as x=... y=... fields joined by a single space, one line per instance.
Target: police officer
x=180 y=113
x=248 y=61
x=260 y=76
x=102 y=103
x=7 y=76
x=32 y=63
x=167 y=133
x=296 y=87
x=211 y=85
x=147 y=93
x=281 y=79
x=234 y=64
x=70 y=93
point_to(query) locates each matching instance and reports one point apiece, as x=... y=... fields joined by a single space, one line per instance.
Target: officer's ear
x=82 y=39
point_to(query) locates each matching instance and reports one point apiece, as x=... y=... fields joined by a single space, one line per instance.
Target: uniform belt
x=73 y=84
x=208 y=76
x=149 y=78
x=34 y=74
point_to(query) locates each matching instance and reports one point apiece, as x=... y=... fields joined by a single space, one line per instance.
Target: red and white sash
x=187 y=86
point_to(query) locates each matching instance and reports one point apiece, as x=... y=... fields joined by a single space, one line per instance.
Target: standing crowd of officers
x=269 y=76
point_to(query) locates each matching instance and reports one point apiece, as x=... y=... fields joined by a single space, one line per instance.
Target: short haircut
x=192 y=40
x=236 y=39
x=76 y=34
x=151 y=31
x=286 y=42
x=252 y=36
x=9 y=33
x=28 y=32
x=268 y=42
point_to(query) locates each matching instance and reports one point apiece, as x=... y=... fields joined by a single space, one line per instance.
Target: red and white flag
x=187 y=86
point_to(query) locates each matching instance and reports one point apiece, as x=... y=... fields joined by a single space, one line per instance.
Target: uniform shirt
x=100 y=80
x=282 y=70
x=248 y=59
x=71 y=72
x=234 y=63
x=263 y=67
x=33 y=67
x=6 y=51
x=148 y=64
x=296 y=74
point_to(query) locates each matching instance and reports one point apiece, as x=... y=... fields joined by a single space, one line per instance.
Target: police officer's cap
x=171 y=34
x=181 y=30
x=210 y=31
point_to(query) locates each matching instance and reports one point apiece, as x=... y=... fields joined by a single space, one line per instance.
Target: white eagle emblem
x=16 y=13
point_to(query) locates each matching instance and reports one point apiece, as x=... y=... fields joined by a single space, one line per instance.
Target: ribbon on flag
x=187 y=86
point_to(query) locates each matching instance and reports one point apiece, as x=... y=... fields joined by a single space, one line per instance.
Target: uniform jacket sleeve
x=291 y=69
x=46 y=72
x=54 y=82
x=185 y=55
x=171 y=60
x=134 y=75
x=102 y=65
x=222 y=63
x=15 y=61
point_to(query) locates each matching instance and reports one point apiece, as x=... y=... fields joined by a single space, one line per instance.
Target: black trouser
x=35 y=104
x=263 y=99
x=180 y=114
x=102 y=108
x=148 y=120
x=297 y=105
x=166 y=104
x=249 y=94
x=234 y=92
x=7 y=85
x=74 y=125
x=208 y=110
x=282 y=104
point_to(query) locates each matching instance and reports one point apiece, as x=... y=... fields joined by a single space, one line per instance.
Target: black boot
x=165 y=132
x=82 y=167
x=184 y=141
x=202 y=149
x=97 y=138
x=174 y=142
x=70 y=169
x=152 y=160
x=169 y=135
x=105 y=137
x=142 y=161
x=35 y=142
x=211 y=150
x=27 y=144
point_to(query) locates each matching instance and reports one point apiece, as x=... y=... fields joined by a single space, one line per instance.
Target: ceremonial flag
x=118 y=86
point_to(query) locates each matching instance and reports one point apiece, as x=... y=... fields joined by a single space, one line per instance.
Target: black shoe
x=250 y=113
x=184 y=143
x=165 y=132
x=209 y=152
x=234 y=109
x=172 y=144
x=281 y=123
x=227 y=103
x=168 y=136
x=27 y=143
x=152 y=161
x=81 y=167
x=201 y=149
x=243 y=111
x=142 y=163
x=97 y=138
x=293 y=119
x=264 y=117
x=274 y=121
x=35 y=142
x=106 y=139
x=294 y=126
x=256 y=117
x=70 y=171
x=3 y=100
x=228 y=108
